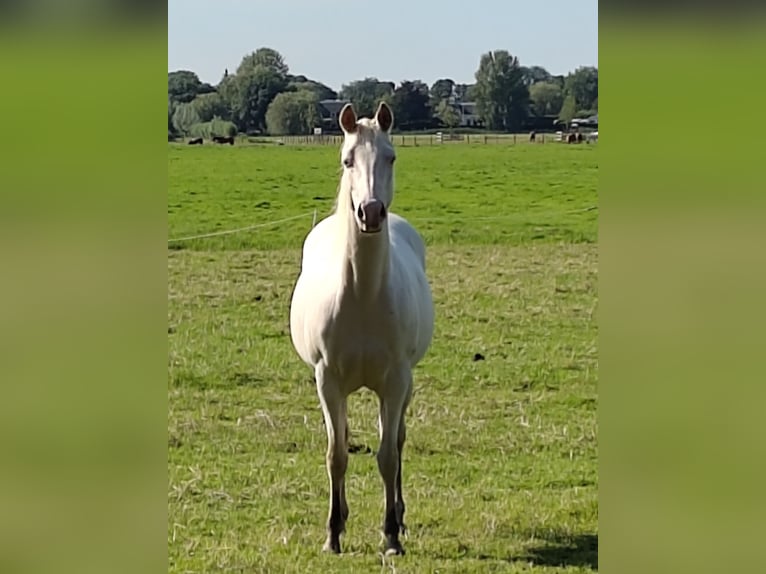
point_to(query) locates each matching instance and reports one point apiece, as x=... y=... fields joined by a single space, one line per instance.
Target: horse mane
x=343 y=194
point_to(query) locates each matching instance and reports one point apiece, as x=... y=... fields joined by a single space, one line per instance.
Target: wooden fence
x=417 y=139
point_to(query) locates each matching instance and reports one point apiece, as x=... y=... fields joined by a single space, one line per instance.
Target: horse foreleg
x=392 y=405
x=402 y=437
x=334 y=411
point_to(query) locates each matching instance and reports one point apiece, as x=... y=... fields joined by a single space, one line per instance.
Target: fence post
x=514 y=139
x=485 y=139
x=543 y=140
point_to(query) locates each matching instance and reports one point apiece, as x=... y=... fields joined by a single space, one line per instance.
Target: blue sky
x=337 y=41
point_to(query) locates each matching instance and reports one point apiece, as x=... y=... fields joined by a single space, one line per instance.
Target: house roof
x=333 y=106
x=588 y=120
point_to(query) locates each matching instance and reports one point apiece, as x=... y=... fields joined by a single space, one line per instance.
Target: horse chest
x=363 y=341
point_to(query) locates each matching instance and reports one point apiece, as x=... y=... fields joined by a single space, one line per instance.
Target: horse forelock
x=369 y=130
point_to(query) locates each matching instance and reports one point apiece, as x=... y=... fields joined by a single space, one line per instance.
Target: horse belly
x=414 y=304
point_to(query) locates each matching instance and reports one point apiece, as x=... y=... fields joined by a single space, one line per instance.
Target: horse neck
x=366 y=267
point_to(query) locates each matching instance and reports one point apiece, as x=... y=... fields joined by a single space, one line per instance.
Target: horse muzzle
x=370 y=215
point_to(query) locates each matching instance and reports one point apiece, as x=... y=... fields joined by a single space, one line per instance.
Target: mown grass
x=453 y=194
x=500 y=467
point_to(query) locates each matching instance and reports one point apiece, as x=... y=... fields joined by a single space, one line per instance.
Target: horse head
x=368 y=159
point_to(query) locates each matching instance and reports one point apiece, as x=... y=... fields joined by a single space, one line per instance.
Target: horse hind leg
x=334 y=411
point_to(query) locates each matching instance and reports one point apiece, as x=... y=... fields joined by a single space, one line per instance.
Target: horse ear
x=384 y=117
x=347 y=119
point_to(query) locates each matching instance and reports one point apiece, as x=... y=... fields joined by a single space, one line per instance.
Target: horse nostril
x=360 y=212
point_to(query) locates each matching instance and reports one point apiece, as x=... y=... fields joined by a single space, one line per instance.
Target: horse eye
x=348 y=162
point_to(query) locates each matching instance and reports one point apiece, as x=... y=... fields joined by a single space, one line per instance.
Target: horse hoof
x=331 y=546
x=395 y=550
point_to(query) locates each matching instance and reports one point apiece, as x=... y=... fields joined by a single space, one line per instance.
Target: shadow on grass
x=552 y=549
x=580 y=550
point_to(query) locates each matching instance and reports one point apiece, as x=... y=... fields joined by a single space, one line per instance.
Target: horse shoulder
x=314 y=298
x=310 y=313
x=402 y=232
x=320 y=243
x=410 y=289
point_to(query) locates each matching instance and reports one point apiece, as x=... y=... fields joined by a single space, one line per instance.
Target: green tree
x=583 y=85
x=567 y=112
x=293 y=113
x=211 y=105
x=184 y=117
x=264 y=57
x=447 y=114
x=171 y=110
x=227 y=89
x=465 y=92
x=535 y=74
x=215 y=127
x=410 y=104
x=303 y=83
x=502 y=99
x=183 y=85
x=205 y=88
x=221 y=127
x=249 y=94
x=366 y=94
x=441 y=89
x=546 y=98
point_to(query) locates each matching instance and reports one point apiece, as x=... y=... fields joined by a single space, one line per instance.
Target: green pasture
x=500 y=469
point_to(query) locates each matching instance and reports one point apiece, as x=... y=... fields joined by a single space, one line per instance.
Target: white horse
x=362 y=315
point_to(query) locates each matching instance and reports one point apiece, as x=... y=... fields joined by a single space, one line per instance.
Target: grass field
x=500 y=467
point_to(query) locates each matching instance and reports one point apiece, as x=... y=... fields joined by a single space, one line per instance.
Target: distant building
x=589 y=123
x=329 y=110
x=469 y=115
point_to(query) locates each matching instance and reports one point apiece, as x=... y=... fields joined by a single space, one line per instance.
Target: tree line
x=262 y=96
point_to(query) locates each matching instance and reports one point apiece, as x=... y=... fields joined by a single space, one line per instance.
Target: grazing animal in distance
x=532 y=136
x=196 y=141
x=223 y=140
x=362 y=313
